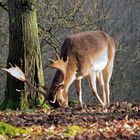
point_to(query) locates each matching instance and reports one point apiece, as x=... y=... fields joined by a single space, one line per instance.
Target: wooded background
x=57 y=19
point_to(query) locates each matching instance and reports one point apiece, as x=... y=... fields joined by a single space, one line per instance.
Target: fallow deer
x=84 y=54
x=87 y=54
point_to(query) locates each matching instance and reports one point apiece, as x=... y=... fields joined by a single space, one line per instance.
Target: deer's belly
x=100 y=63
x=99 y=66
x=97 y=63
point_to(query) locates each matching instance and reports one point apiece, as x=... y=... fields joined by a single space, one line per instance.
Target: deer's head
x=59 y=93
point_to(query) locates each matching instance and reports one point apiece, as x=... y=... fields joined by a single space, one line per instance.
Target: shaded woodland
x=56 y=20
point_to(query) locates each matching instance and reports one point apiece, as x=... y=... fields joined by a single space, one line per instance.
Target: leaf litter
x=120 y=121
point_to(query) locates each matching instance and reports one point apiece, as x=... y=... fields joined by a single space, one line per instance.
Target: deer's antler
x=18 y=74
x=59 y=64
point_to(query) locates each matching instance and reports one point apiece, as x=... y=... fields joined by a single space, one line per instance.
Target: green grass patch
x=39 y=102
x=72 y=130
x=11 y=131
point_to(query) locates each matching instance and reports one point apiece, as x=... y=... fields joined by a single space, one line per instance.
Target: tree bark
x=24 y=51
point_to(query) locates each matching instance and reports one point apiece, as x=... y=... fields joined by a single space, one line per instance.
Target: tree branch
x=3 y=5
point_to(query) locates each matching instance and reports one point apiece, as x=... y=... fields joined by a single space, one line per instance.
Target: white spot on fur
x=100 y=63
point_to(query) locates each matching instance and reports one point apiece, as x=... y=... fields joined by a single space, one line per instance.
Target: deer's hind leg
x=107 y=73
x=92 y=82
x=101 y=85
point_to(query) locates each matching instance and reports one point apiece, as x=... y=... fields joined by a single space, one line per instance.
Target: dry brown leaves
x=119 y=121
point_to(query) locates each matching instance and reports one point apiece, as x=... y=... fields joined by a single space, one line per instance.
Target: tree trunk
x=24 y=51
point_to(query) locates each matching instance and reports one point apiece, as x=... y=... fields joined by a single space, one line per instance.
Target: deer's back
x=88 y=49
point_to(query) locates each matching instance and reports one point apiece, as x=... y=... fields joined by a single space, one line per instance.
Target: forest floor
x=119 y=121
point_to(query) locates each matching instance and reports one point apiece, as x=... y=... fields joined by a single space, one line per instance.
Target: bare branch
x=68 y=17
x=4 y=5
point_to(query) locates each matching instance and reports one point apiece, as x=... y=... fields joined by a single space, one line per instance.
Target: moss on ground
x=11 y=131
x=39 y=102
x=72 y=130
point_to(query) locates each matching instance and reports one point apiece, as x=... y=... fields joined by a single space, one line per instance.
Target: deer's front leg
x=79 y=91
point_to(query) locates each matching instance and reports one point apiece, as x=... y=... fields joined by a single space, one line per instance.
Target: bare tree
x=67 y=17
